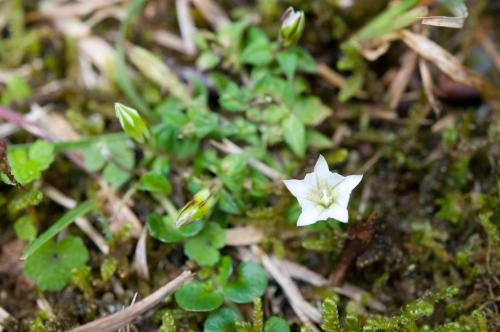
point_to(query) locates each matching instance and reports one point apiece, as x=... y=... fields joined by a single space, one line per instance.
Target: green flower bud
x=200 y=206
x=292 y=26
x=131 y=122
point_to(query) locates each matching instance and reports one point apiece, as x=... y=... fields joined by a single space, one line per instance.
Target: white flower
x=323 y=194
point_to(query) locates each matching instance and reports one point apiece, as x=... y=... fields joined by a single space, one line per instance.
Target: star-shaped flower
x=323 y=194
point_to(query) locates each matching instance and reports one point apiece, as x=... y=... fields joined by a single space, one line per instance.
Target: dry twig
x=116 y=320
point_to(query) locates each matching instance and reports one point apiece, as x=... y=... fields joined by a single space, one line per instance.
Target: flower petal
x=321 y=168
x=298 y=188
x=335 y=211
x=343 y=199
x=334 y=179
x=349 y=183
x=309 y=216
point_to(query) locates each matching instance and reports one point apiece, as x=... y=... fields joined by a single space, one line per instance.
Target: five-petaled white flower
x=323 y=194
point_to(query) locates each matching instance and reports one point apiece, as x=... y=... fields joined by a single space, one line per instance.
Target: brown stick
x=359 y=239
x=116 y=320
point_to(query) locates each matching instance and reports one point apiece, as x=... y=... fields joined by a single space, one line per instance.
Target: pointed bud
x=292 y=26
x=200 y=206
x=131 y=122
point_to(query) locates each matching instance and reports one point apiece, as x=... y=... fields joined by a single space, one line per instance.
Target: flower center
x=326 y=198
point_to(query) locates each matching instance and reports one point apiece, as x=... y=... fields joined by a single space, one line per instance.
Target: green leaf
x=50 y=267
x=276 y=324
x=23 y=169
x=305 y=62
x=25 y=229
x=311 y=111
x=164 y=230
x=198 y=296
x=288 y=63
x=317 y=140
x=221 y=320
x=62 y=223
x=232 y=98
x=259 y=51
x=17 y=89
x=353 y=85
x=294 y=134
x=93 y=158
x=155 y=182
x=42 y=153
x=115 y=176
x=232 y=171
x=207 y=60
x=118 y=171
x=204 y=247
x=250 y=283
x=228 y=204
x=225 y=270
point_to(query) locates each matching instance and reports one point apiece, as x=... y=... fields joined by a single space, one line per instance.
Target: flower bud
x=292 y=26
x=131 y=122
x=200 y=206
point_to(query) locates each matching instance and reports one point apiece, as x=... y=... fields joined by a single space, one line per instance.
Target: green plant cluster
x=193 y=176
x=409 y=319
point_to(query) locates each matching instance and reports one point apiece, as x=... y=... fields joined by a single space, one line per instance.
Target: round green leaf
x=204 y=247
x=164 y=230
x=42 y=153
x=222 y=320
x=198 y=296
x=250 y=283
x=276 y=324
x=50 y=266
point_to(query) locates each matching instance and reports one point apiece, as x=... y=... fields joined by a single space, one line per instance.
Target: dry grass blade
x=81 y=222
x=169 y=40
x=448 y=64
x=78 y=8
x=490 y=48
x=425 y=74
x=186 y=26
x=243 y=236
x=303 y=309
x=116 y=320
x=400 y=82
x=457 y=22
x=230 y=148
x=302 y=273
x=140 y=256
x=4 y=317
x=335 y=79
x=214 y=14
